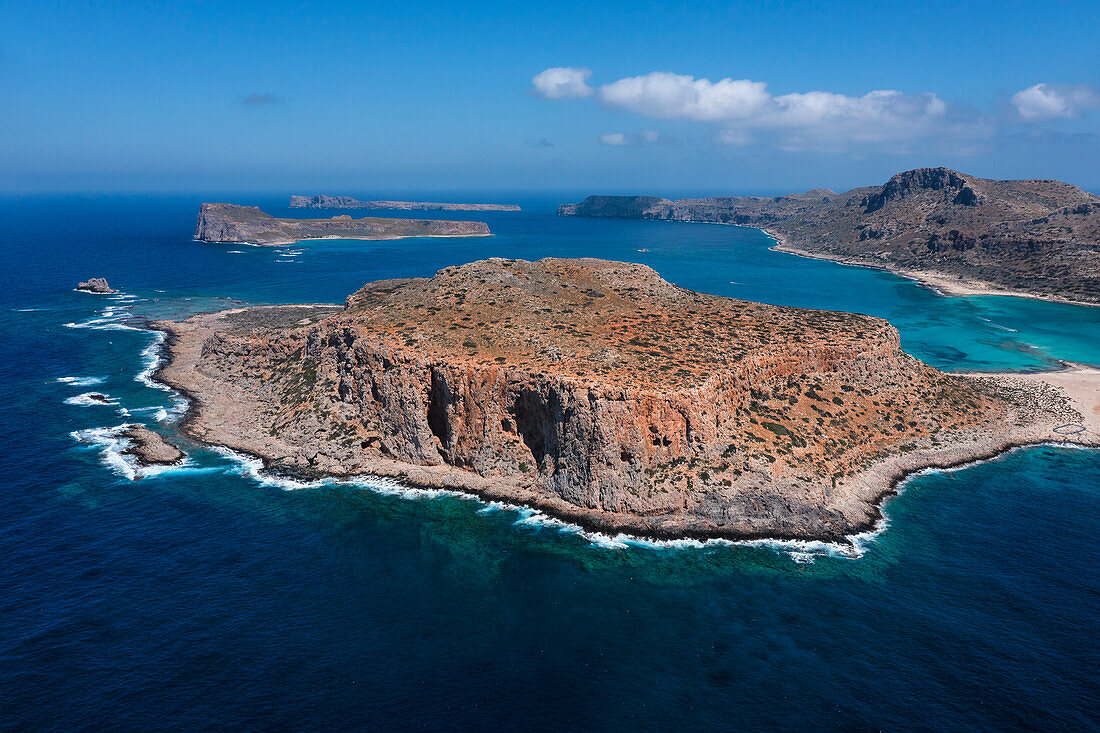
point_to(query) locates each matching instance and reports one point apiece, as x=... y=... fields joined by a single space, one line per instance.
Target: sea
x=212 y=596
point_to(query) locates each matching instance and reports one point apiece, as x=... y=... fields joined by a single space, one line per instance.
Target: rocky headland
x=247 y=224
x=600 y=393
x=95 y=285
x=347 y=202
x=956 y=232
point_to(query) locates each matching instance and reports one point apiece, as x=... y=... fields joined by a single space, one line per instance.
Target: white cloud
x=562 y=82
x=828 y=121
x=745 y=112
x=1051 y=102
x=634 y=139
x=675 y=96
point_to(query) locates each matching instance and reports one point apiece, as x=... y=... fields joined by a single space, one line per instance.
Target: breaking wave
x=112 y=446
x=80 y=381
x=91 y=399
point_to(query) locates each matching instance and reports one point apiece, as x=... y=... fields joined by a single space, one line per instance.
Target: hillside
x=962 y=233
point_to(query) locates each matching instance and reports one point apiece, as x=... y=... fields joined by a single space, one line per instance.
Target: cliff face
x=594 y=390
x=1040 y=237
x=347 y=202
x=247 y=224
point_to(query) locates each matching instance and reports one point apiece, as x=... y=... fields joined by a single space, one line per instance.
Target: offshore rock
x=149 y=448
x=95 y=285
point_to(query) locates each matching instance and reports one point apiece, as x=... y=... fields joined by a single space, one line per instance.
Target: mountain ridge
x=1037 y=237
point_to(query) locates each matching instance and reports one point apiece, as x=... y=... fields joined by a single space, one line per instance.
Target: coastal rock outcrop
x=95 y=285
x=149 y=448
x=959 y=232
x=597 y=392
x=247 y=224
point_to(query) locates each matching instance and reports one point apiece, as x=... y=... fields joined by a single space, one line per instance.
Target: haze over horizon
x=706 y=97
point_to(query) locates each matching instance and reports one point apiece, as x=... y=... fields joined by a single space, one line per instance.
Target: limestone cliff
x=596 y=391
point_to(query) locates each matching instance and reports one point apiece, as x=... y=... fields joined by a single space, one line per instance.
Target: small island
x=249 y=225
x=601 y=394
x=961 y=234
x=347 y=202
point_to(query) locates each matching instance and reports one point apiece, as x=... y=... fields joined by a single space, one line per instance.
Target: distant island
x=955 y=232
x=247 y=224
x=346 y=202
x=601 y=394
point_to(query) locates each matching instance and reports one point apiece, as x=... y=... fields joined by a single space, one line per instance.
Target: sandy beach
x=1082 y=385
x=941 y=283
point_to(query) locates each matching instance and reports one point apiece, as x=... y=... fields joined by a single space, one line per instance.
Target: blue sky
x=340 y=97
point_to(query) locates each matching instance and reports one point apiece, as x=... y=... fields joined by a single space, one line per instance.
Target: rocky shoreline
x=233 y=412
x=941 y=284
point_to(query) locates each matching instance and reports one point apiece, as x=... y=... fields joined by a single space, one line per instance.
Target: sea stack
x=95 y=285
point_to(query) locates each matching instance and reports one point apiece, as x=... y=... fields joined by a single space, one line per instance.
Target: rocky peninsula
x=600 y=393
x=247 y=224
x=347 y=202
x=956 y=232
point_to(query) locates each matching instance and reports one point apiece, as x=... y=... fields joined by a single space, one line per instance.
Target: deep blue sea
x=210 y=596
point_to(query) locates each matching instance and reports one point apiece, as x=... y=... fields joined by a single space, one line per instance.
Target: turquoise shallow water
x=205 y=596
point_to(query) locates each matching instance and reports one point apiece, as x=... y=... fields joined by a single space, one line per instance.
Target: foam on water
x=252 y=467
x=89 y=399
x=151 y=359
x=109 y=318
x=800 y=551
x=112 y=446
x=80 y=381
